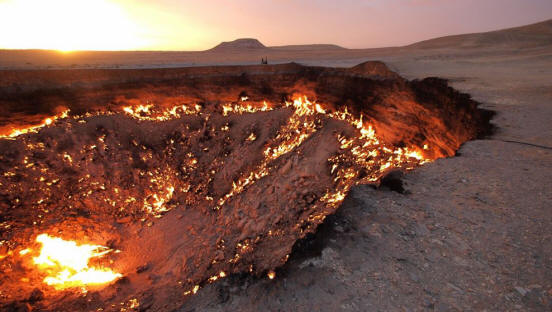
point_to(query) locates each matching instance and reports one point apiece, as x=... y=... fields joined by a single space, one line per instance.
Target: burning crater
x=129 y=189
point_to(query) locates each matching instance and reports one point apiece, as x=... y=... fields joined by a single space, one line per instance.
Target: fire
x=244 y=108
x=151 y=113
x=157 y=207
x=67 y=264
x=299 y=127
x=360 y=157
x=364 y=150
x=34 y=128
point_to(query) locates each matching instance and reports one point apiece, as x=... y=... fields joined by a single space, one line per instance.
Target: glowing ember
x=66 y=263
x=192 y=291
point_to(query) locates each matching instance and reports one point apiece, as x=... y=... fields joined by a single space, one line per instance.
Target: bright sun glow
x=67 y=25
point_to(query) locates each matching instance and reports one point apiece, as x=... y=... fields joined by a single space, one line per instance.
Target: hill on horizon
x=532 y=35
x=254 y=44
x=239 y=44
x=527 y=36
x=318 y=46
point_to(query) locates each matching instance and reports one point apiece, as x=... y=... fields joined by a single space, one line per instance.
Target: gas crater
x=174 y=178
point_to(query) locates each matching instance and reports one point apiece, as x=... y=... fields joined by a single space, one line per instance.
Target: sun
x=68 y=25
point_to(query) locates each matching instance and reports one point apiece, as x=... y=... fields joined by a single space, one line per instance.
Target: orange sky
x=197 y=25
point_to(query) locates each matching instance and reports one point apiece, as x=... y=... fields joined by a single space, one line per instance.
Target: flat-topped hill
x=240 y=44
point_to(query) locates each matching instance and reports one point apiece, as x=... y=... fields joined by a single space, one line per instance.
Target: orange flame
x=67 y=263
x=365 y=149
x=34 y=128
x=151 y=113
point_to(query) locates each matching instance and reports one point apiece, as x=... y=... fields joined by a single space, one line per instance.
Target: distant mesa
x=250 y=44
x=240 y=44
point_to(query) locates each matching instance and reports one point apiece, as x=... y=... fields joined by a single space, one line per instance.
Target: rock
x=143 y=268
x=36 y=295
x=522 y=291
x=123 y=220
x=219 y=255
x=393 y=181
x=456 y=288
x=3 y=249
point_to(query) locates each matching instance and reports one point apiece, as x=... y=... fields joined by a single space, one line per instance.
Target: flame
x=360 y=158
x=243 y=109
x=192 y=291
x=151 y=113
x=300 y=126
x=157 y=206
x=363 y=151
x=34 y=128
x=66 y=263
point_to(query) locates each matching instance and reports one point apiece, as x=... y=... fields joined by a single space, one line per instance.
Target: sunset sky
x=197 y=25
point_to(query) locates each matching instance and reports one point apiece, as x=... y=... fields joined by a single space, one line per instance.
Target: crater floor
x=189 y=175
